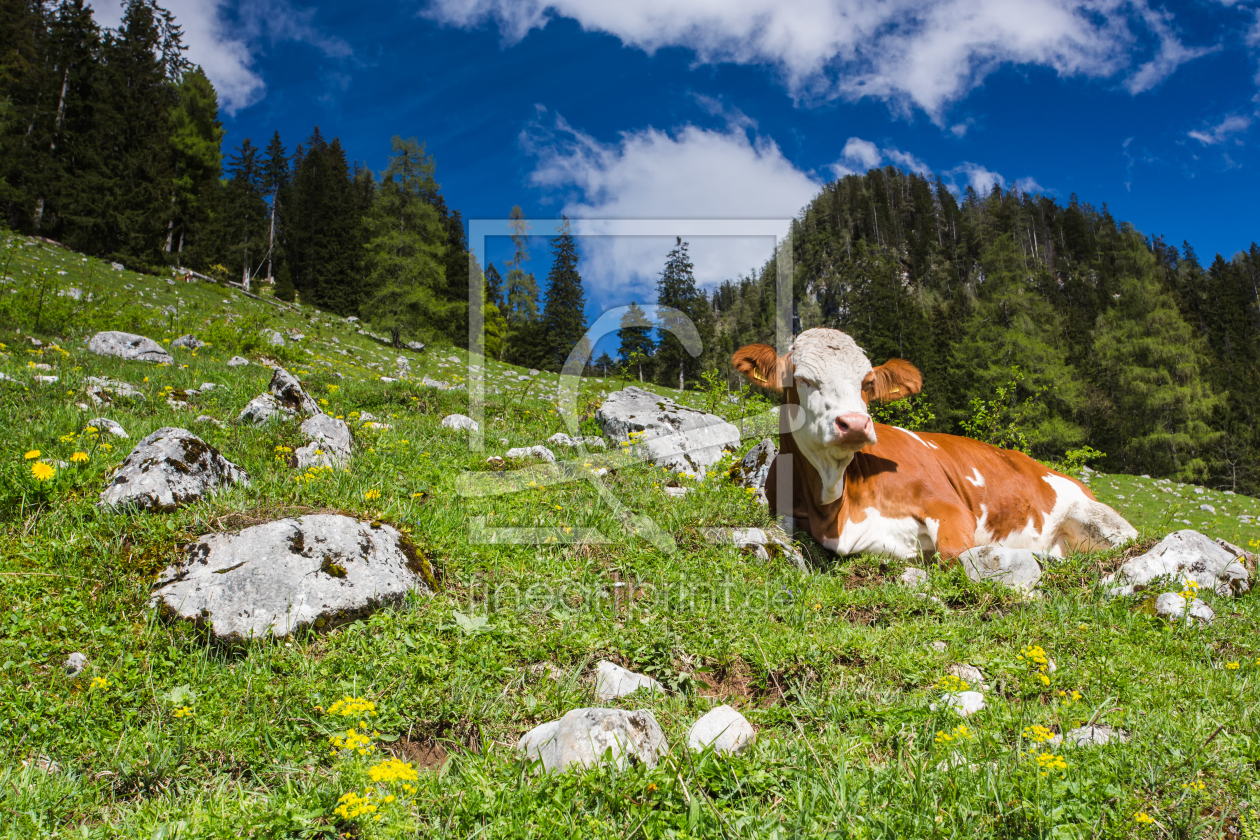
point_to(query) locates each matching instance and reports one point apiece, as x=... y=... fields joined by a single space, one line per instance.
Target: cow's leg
x=1091 y=526
x=956 y=532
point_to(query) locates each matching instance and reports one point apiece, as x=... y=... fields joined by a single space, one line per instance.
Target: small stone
x=585 y=736
x=542 y=453
x=968 y=674
x=724 y=729
x=677 y=492
x=614 y=681
x=914 y=577
x=459 y=422
x=328 y=442
x=940 y=647
x=1172 y=606
x=1014 y=567
x=108 y=427
x=189 y=341
x=237 y=361
x=1095 y=736
x=1207 y=508
x=1184 y=553
x=263 y=409
x=964 y=703
x=75 y=663
x=206 y=418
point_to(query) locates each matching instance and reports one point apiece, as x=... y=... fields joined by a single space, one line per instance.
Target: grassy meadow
x=169 y=734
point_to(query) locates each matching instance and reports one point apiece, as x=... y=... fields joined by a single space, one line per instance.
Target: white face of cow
x=834 y=381
x=833 y=423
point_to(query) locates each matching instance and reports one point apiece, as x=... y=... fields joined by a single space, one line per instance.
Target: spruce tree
x=196 y=138
x=634 y=337
x=277 y=180
x=523 y=345
x=564 y=313
x=326 y=228
x=246 y=212
x=406 y=272
x=1152 y=366
x=676 y=288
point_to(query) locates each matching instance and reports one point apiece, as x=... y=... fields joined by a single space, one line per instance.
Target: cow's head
x=831 y=380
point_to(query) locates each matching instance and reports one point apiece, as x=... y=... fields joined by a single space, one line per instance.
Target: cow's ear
x=761 y=364
x=895 y=379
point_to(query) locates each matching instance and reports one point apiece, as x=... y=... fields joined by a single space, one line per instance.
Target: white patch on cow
x=903 y=537
x=1075 y=520
x=978 y=480
x=913 y=435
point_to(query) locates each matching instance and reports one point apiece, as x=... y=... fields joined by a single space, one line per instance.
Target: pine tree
x=406 y=275
x=676 y=288
x=564 y=313
x=246 y=211
x=494 y=286
x=634 y=337
x=196 y=138
x=1152 y=366
x=277 y=180
x=326 y=228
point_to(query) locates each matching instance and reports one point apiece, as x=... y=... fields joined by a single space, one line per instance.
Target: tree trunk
x=271 y=245
x=681 y=381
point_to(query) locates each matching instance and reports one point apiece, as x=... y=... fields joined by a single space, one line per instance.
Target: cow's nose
x=854 y=427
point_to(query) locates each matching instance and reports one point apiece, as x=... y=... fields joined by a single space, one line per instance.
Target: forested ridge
x=1037 y=324
x=1030 y=316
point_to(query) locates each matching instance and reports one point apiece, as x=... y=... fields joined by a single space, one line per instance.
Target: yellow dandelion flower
x=32 y=455
x=42 y=471
x=80 y=457
x=372 y=495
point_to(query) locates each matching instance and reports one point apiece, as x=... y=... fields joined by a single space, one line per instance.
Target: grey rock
x=458 y=422
x=683 y=439
x=134 y=348
x=207 y=386
x=75 y=663
x=589 y=441
x=206 y=418
x=168 y=469
x=969 y=674
x=108 y=427
x=435 y=383
x=915 y=578
x=1172 y=606
x=1184 y=553
x=723 y=728
x=939 y=647
x=613 y=681
x=754 y=468
x=964 y=703
x=677 y=492
x=237 y=361
x=760 y=543
x=189 y=341
x=40 y=366
x=46 y=380
x=585 y=736
x=1095 y=736
x=329 y=442
x=286 y=388
x=263 y=409
x=273 y=338
x=1014 y=567
x=279 y=577
x=542 y=453
x=102 y=390
x=532 y=371
x=1207 y=508
x=414 y=346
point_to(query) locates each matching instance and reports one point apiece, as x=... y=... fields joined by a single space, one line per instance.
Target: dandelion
x=67 y=438
x=42 y=471
x=80 y=457
x=372 y=495
x=32 y=455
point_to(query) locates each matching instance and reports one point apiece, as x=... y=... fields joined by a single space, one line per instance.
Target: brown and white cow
x=860 y=486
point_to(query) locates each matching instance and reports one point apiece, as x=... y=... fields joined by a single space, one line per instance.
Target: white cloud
x=910 y=53
x=979 y=178
x=908 y=162
x=224 y=46
x=1221 y=131
x=689 y=173
x=859 y=155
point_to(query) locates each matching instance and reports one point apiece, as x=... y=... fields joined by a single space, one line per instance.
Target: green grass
x=836 y=668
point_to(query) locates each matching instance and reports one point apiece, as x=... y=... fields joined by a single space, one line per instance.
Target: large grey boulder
x=1184 y=554
x=279 y=577
x=667 y=434
x=724 y=729
x=329 y=444
x=753 y=470
x=612 y=681
x=586 y=736
x=168 y=469
x=1014 y=567
x=135 y=348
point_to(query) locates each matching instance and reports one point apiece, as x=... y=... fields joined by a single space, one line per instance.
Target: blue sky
x=742 y=109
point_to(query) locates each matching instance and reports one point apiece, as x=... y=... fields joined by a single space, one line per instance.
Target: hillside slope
x=169 y=733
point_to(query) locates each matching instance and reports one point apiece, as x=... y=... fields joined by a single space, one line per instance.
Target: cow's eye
x=804 y=380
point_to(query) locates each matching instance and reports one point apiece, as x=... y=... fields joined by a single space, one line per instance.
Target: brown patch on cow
x=895 y=379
